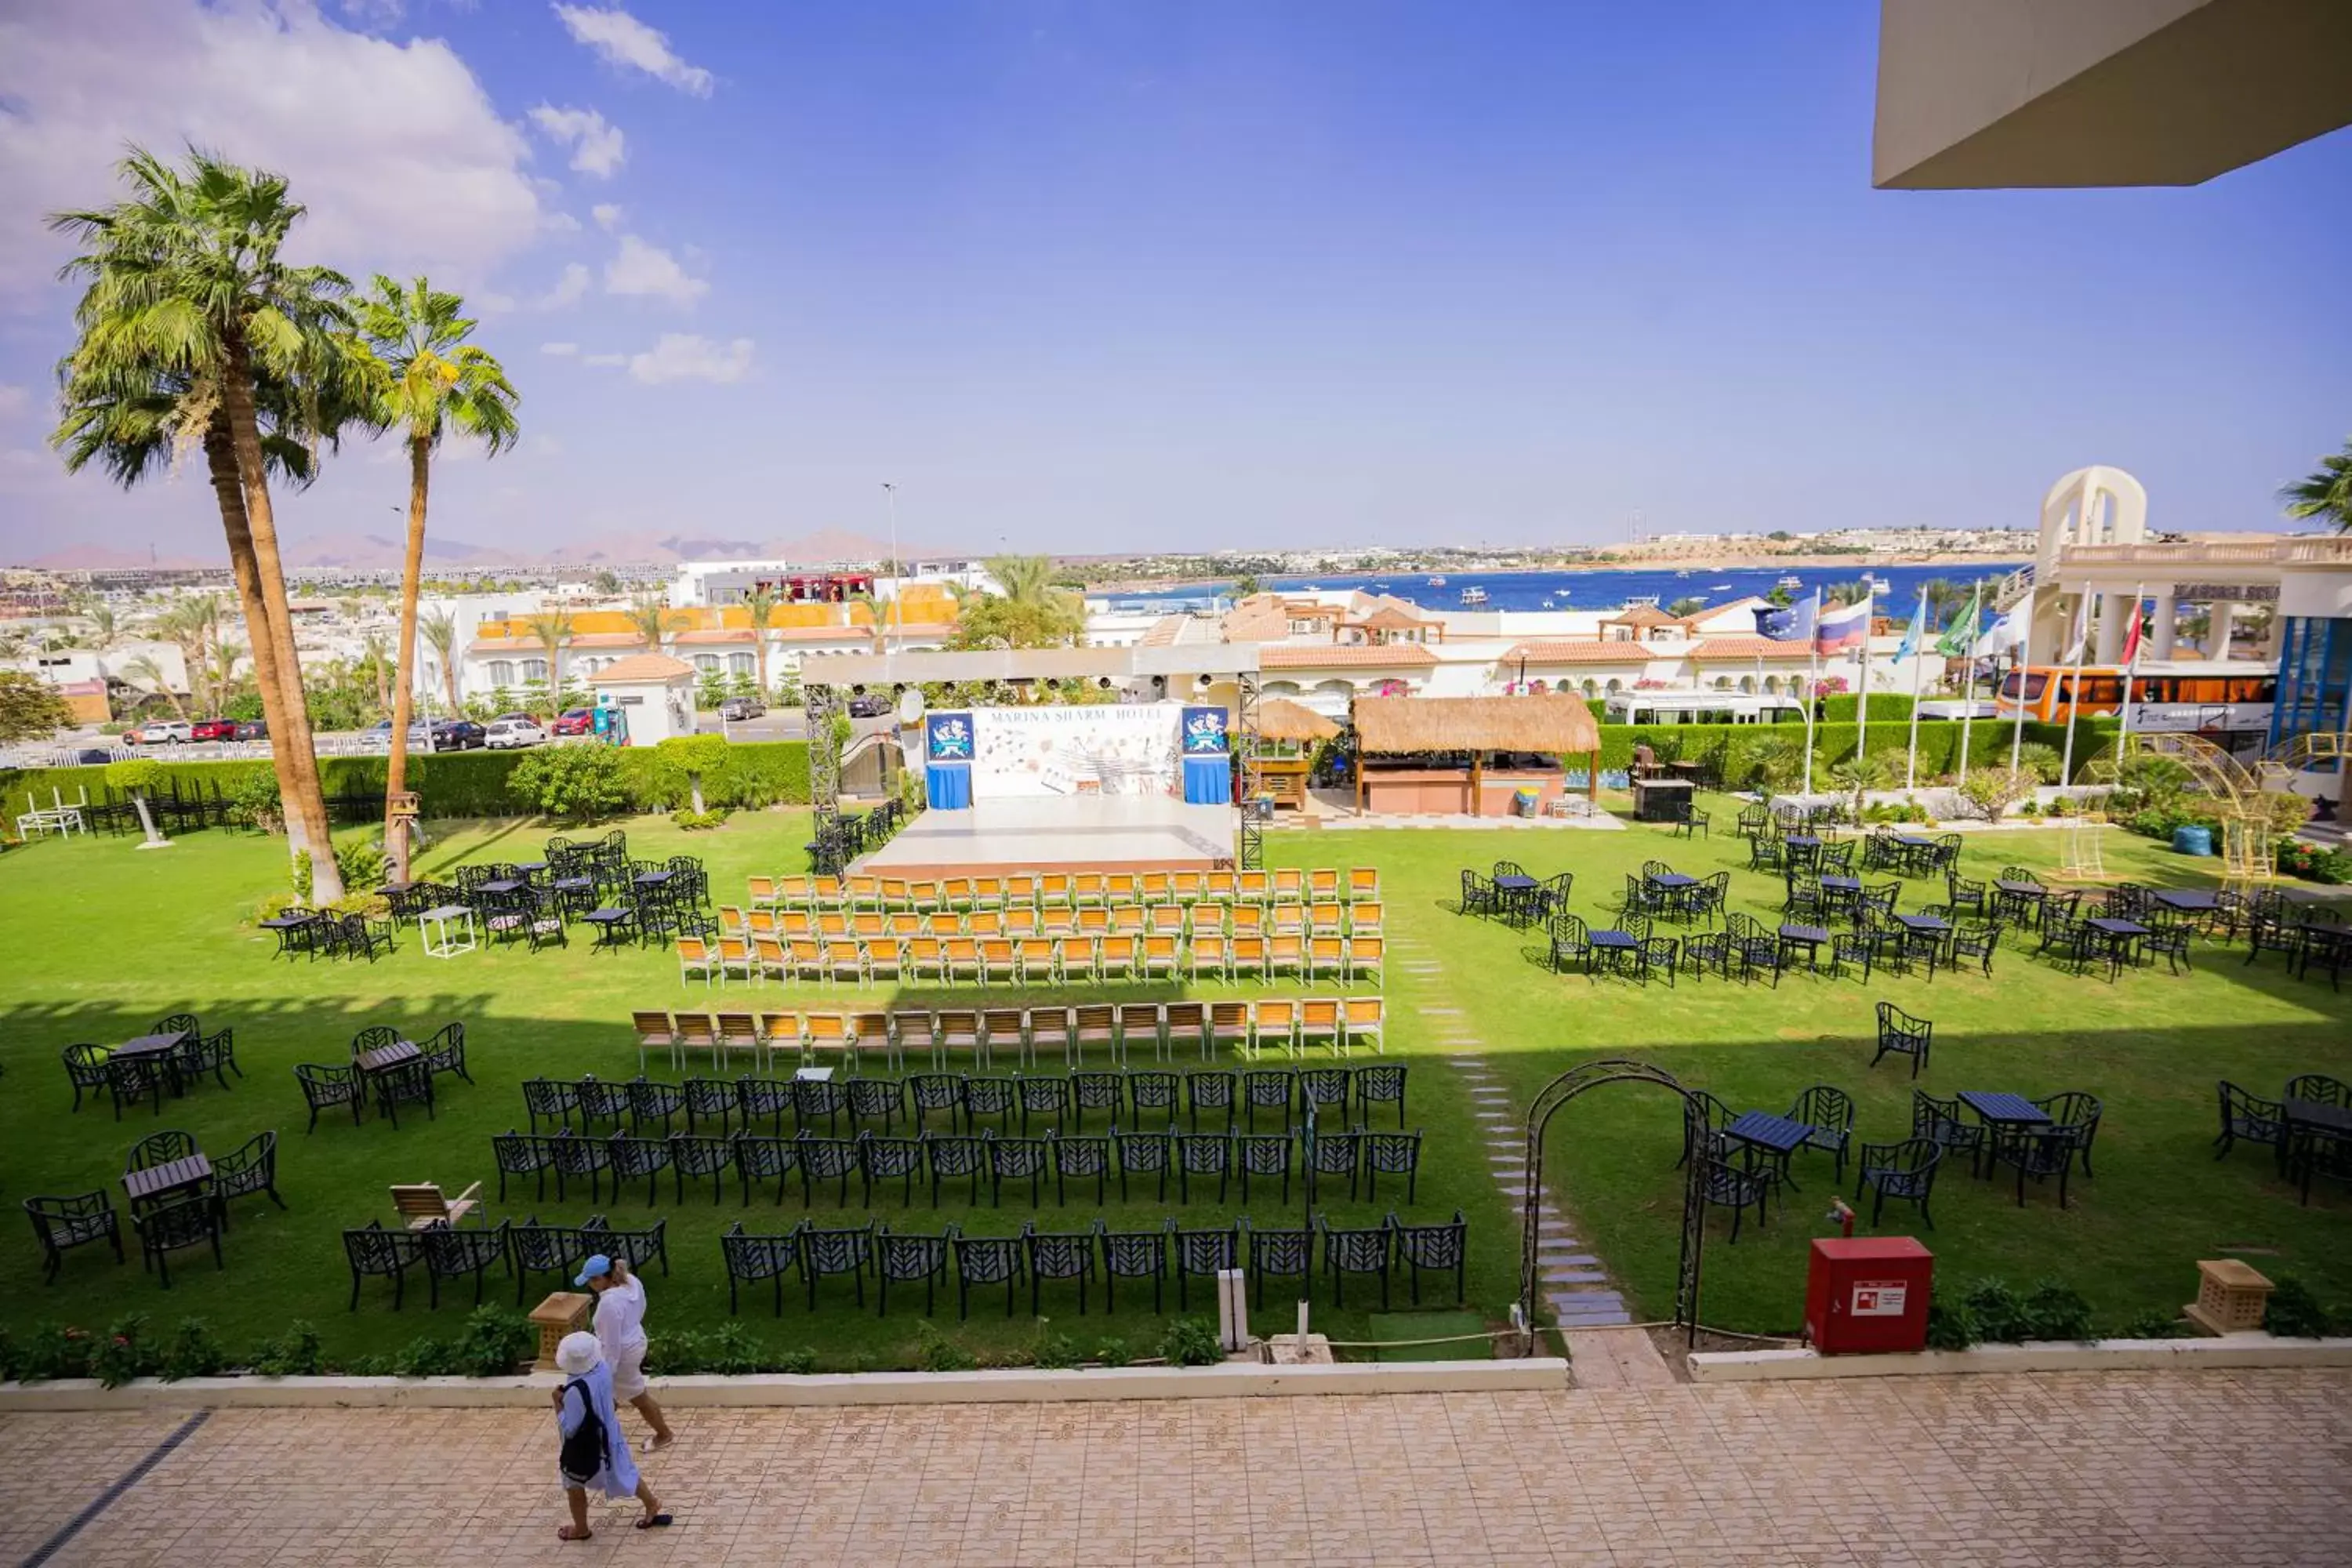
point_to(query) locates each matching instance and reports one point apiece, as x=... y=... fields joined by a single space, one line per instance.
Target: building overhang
x=1988 y=94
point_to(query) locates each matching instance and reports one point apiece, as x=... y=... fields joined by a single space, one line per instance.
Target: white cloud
x=395 y=148
x=542 y=447
x=570 y=288
x=561 y=351
x=607 y=216
x=596 y=145
x=686 y=356
x=621 y=40
x=562 y=223
x=13 y=400
x=603 y=360
x=648 y=269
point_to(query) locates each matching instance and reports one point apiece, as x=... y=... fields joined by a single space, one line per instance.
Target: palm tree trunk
x=220 y=458
x=289 y=731
x=412 y=572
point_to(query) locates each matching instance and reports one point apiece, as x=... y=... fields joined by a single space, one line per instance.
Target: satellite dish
x=910 y=705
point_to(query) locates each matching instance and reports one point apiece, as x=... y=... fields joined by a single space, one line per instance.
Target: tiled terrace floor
x=2240 y=1469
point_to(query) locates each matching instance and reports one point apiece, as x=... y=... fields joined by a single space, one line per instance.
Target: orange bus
x=2200 y=696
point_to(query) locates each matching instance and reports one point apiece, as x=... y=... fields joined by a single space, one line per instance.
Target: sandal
x=573 y=1533
x=656 y=1522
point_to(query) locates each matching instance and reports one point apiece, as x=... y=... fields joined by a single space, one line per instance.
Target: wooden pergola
x=1552 y=724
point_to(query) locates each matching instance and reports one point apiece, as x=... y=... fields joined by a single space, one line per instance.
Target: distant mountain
x=103 y=558
x=377 y=553
x=384 y=553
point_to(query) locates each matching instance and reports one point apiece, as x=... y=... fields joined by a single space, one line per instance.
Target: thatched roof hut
x=1279 y=719
x=1550 y=722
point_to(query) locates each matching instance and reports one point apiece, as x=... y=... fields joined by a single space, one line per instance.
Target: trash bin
x=2192 y=840
x=1868 y=1294
x=1524 y=802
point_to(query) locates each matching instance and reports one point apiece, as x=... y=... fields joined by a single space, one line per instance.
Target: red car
x=213 y=730
x=573 y=721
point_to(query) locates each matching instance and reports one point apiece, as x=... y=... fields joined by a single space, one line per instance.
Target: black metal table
x=1995 y=1109
x=2308 y=1122
x=155 y=1183
x=1801 y=849
x=610 y=924
x=163 y=1049
x=373 y=1064
x=2318 y=936
x=1810 y=938
x=2189 y=900
x=287 y=927
x=1615 y=944
x=504 y=886
x=1514 y=893
x=656 y=879
x=1772 y=1135
x=2119 y=935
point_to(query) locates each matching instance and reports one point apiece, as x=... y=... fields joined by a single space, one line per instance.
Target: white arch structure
x=2093 y=505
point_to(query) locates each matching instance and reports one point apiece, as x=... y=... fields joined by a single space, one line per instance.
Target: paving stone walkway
x=2248 y=1470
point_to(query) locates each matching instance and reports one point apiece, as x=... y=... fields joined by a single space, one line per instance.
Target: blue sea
x=1898 y=586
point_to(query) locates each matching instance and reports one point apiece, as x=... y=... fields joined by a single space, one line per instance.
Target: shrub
x=733 y=1353
x=54 y=1353
x=798 y=1363
x=685 y=765
x=2056 y=1311
x=1992 y=791
x=2294 y=1312
x=1995 y=1311
x=1951 y=1328
x=934 y=1351
x=361 y=865
x=426 y=1356
x=700 y=821
x=2155 y=1324
x=495 y=1339
x=1189 y=1341
x=2043 y=762
x=122 y=1353
x=1112 y=1352
x=1052 y=1350
x=253 y=801
x=193 y=1350
x=575 y=784
x=294 y=1353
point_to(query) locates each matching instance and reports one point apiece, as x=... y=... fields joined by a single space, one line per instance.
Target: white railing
x=2263 y=551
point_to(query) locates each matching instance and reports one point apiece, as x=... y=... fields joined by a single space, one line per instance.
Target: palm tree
x=2325 y=494
x=651 y=619
x=1024 y=579
x=554 y=629
x=188 y=295
x=426 y=381
x=146 y=672
x=879 y=613
x=439 y=630
x=761 y=600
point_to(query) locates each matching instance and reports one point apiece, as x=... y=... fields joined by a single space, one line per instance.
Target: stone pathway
x=2248 y=1470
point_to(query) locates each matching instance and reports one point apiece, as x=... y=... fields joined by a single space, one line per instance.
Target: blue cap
x=598 y=1264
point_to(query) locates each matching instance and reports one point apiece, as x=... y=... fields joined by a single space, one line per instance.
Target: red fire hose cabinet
x=1868 y=1294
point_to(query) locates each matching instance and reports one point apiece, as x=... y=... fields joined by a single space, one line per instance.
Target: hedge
x=462 y=783
x=1939 y=742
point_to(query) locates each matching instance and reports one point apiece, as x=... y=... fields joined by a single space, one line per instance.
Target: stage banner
x=947 y=737
x=1113 y=748
x=1205 y=733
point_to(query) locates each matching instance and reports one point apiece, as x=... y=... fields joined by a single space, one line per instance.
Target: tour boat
x=1437 y=581
x=1473 y=595
x=1791 y=581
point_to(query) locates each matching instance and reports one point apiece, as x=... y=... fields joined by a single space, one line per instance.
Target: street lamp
x=897 y=587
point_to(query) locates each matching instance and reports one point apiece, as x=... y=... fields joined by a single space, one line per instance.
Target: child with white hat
x=594 y=1453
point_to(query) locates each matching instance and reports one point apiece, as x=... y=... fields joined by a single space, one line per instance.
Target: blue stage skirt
x=1209 y=781
x=949 y=785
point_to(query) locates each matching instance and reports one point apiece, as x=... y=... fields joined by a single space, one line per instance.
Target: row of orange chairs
x=1366 y=919
x=1030 y=960
x=815 y=1039
x=1066 y=889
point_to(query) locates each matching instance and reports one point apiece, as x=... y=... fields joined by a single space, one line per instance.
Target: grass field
x=103 y=938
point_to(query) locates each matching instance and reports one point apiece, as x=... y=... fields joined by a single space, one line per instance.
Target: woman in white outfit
x=621 y=1330
x=592 y=1453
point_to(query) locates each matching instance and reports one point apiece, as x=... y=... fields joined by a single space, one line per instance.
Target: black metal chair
x=697 y=1158
x=1333 y=1155
x=1726 y=1182
x=166 y=1228
x=750 y=1258
x=881 y=1100
x=1043 y=1095
x=1829 y=1112
x=1145 y=1152
x=1285 y=1250
x=1014 y=1158
x=708 y=1099
x=374 y=1252
x=444 y=1051
x=643 y=1246
x=557 y=1099
x=984 y=1260
x=1202 y=1255
x=139 y=1077
x=1209 y=1089
x=63 y=1223
x=1268 y=1089
x=455 y=1252
x=1266 y=1156
x=1964 y=893
x=763 y=1099
x=1974 y=941
x=1478 y=895
x=605 y=1100
x=1152 y=1094
x=1391 y=1154
x=1939 y=1122
x=759 y=1159
x=1132 y=1255
x=159 y=1149
x=1202 y=1155
x=1080 y=1156
x=1445 y=1244
x=1057 y=1255
x=949 y=1155
x=521 y=1154
x=906 y=1259
x=1370 y=1249
x=831 y=1252
x=2076 y=1114
x=1904 y=1171
x=200 y=1053
x=405 y=1083
x=2037 y=1151
x=989 y=1096
x=1571 y=942
x=651 y=1100
x=1902 y=1034
x=1381 y=1083
x=85 y=1069
x=578 y=1156
x=936 y=1091
x=535 y=1249
x=824 y=1160
x=2252 y=1118
x=881 y=1158
x=251 y=1167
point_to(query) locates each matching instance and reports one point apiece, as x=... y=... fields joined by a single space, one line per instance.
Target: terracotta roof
x=1164 y=631
x=1589 y=651
x=1258 y=618
x=643 y=667
x=1750 y=647
x=722 y=635
x=1389 y=618
x=607 y=640
x=1324 y=656
x=1640 y=615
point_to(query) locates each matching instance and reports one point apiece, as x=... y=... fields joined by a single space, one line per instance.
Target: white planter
x=2247 y=1350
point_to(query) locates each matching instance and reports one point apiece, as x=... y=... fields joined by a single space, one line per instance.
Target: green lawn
x=103 y=938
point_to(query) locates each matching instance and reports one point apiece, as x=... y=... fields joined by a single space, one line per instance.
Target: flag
x=1960 y=636
x=2008 y=632
x=1847 y=626
x=1917 y=632
x=1794 y=624
x=2131 y=641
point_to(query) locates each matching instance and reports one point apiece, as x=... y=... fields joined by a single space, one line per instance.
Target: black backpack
x=584 y=1450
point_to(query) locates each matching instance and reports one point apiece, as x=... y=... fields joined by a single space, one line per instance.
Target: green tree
x=439 y=630
x=577 y=784
x=147 y=674
x=990 y=622
x=1245 y=586
x=137 y=776
x=423 y=382
x=2325 y=494
x=653 y=622
x=189 y=299
x=1024 y=579
x=1686 y=606
x=30 y=709
x=554 y=629
x=692 y=758
x=761 y=600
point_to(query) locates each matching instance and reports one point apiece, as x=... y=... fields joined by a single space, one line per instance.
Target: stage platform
x=1069 y=832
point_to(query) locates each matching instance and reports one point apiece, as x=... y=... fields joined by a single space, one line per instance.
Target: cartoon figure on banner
x=1204 y=731
x=951 y=737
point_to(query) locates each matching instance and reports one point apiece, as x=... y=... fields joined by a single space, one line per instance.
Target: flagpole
x=2131 y=663
x=1968 y=697
x=2074 y=695
x=1812 y=679
x=1861 y=703
x=1911 y=764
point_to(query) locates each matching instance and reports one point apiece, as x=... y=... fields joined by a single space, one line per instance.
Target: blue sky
x=1096 y=277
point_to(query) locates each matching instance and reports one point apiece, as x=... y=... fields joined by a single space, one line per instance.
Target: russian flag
x=1846 y=626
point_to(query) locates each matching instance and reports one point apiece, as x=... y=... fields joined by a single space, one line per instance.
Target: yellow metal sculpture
x=2249 y=857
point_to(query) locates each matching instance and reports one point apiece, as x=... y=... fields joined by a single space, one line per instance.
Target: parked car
x=575 y=721
x=737 y=709
x=512 y=732
x=252 y=729
x=516 y=717
x=160 y=732
x=456 y=735
x=869 y=707
x=93 y=754
x=213 y=730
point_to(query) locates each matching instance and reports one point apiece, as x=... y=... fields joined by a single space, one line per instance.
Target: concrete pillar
x=2112 y=611
x=2161 y=636
x=2224 y=616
